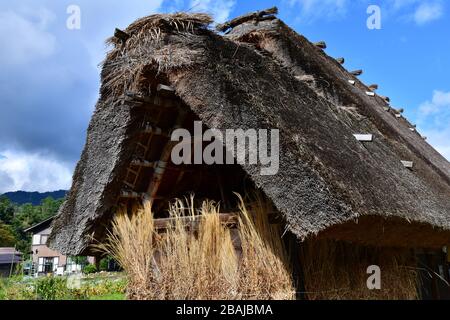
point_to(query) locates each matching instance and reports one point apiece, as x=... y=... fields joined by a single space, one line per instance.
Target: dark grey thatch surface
x=252 y=78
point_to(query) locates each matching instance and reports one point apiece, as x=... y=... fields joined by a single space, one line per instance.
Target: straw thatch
x=264 y=75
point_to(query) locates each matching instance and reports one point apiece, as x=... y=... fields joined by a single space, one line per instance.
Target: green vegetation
x=90 y=268
x=94 y=287
x=15 y=218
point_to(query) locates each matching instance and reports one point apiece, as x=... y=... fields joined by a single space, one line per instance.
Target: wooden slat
x=407 y=164
x=364 y=137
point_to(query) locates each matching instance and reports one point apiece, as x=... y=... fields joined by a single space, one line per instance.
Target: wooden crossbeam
x=131 y=194
x=229 y=219
x=373 y=87
x=144 y=163
x=193 y=221
x=340 y=60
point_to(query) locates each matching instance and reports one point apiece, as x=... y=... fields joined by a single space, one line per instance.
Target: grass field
x=99 y=286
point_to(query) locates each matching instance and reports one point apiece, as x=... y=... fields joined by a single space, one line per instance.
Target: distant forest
x=20 y=210
x=35 y=198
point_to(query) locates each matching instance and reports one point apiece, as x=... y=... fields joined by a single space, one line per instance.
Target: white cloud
x=32 y=172
x=440 y=140
x=417 y=11
x=398 y=4
x=439 y=103
x=310 y=10
x=427 y=12
x=434 y=120
x=24 y=38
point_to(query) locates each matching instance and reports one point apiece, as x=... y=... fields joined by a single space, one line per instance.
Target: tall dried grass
x=337 y=270
x=201 y=262
x=132 y=243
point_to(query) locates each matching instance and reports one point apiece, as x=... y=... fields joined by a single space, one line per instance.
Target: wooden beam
x=356 y=72
x=246 y=17
x=387 y=99
x=157 y=131
x=164 y=159
x=165 y=90
x=321 y=44
x=373 y=87
x=150 y=101
x=144 y=163
x=340 y=60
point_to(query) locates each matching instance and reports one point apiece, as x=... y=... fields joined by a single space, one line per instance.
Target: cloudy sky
x=49 y=74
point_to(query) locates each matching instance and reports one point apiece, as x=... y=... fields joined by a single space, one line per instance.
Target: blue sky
x=49 y=74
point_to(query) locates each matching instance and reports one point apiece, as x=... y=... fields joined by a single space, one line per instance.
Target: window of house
x=44 y=238
x=36 y=239
x=48 y=264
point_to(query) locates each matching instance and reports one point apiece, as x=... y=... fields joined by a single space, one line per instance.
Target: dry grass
x=201 y=263
x=263 y=271
x=337 y=270
x=132 y=243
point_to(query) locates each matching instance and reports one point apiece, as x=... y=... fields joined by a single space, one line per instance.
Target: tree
x=6 y=210
x=7 y=238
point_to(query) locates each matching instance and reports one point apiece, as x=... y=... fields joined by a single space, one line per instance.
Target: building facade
x=46 y=260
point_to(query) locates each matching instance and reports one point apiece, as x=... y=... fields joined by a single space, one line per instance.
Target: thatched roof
x=262 y=75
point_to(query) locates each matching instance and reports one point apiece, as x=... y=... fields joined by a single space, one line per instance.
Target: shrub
x=51 y=288
x=90 y=268
x=104 y=263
